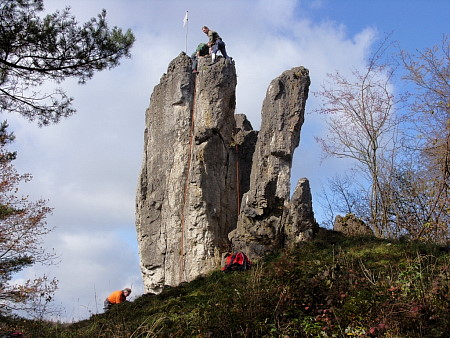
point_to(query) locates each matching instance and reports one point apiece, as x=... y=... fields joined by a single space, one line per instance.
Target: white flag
x=185 y=20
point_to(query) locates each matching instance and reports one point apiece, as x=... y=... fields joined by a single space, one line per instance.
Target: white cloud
x=93 y=264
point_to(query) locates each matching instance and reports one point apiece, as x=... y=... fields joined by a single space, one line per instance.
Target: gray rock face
x=245 y=142
x=205 y=168
x=260 y=229
x=186 y=197
x=298 y=220
x=350 y=225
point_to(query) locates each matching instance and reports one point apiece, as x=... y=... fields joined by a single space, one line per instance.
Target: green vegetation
x=331 y=287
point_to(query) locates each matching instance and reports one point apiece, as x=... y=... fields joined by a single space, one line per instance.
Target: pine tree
x=35 y=50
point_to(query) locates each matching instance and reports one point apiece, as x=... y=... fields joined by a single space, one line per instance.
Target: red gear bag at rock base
x=237 y=262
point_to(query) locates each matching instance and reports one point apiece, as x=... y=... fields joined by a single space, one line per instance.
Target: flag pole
x=186 y=23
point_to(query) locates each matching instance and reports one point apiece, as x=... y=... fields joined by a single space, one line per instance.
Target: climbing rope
x=182 y=276
x=238 y=187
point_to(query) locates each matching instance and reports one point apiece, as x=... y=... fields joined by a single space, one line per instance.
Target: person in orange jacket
x=116 y=297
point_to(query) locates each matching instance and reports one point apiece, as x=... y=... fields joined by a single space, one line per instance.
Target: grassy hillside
x=331 y=287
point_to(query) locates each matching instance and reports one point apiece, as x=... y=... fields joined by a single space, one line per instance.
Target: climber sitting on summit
x=215 y=43
x=201 y=51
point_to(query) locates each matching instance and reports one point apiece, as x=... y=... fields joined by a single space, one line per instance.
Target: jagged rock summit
x=209 y=183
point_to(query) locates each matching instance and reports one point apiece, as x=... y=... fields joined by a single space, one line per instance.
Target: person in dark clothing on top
x=215 y=43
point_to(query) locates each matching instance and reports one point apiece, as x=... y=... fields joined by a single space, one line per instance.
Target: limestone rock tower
x=209 y=183
x=186 y=197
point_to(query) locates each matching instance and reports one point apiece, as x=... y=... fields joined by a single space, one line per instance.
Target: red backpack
x=236 y=262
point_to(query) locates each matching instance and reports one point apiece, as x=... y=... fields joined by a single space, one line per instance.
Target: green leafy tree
x=35 y=50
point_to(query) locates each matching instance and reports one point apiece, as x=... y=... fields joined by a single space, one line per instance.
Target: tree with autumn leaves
x=36 y=50
x=429 y=72
x=399 y=143
x=362 y=124
x=22 y=229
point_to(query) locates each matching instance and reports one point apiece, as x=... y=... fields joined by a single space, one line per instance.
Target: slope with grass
x=330 y=287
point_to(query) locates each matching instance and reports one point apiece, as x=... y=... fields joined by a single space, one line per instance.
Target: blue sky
x=88 y=165
x=415 y=23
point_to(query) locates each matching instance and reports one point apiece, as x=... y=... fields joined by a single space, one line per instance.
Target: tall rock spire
x=186 y=197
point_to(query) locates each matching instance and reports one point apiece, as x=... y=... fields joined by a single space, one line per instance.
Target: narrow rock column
x=298 y=221
x=260 y=229
x=245 y=141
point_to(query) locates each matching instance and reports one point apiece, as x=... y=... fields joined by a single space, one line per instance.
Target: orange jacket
x=116 y=297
